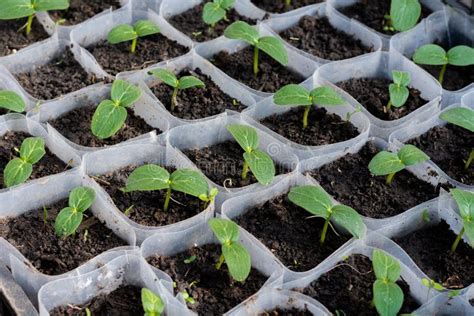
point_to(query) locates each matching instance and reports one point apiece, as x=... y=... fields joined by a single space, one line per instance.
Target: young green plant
x=169 y=78
x=296 y=95
x=11 y=101
x=398 y=90
x=18 y=170
x=17 y=9
x=435 y=55
x=216 y=10
x=465 y=203
x=234 y=253
x=462 y=117
x=153 y=177
x=258 y=161
x=388 y=164
x=404 y=14
x=125 y=33
x=271 y=45
x=70 y=218
x=152 y=304
x=110 y=115
x=317 y=202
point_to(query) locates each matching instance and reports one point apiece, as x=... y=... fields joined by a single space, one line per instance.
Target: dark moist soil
x=287 y=312
x=13 y=38
x=125 y=300
x=430 y=248
x=50 y=254
x=455 y=78
x=223 y=164
x=191 y=23
x=315 y=35
x=60 y=76
x=197 y=103
x=374 y=95
x=372 y=13
x=449 y=147
x=350 y=182
x=278 y=6
x=76 y=126
x=271 y=77
x=348 y=288
x=81 y=10
x=214 y=291
x=148 y=206
x=323 y=128
x=290 y=235
x=150 y=50
x=48 y=165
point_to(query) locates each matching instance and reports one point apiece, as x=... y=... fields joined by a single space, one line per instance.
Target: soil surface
x=223 y=164
x=126 y=301
x=455 y=78
x=81 y=10
x=197 y=103
x=49 y=253
x=147 y=207
x=150 y=50
x=374 y=95
x=348 y=288
x=60 y=76
x=48 y=165
x=449 y=147
x=287 y=312
x=271 y=77
x=76 y=126
x=430 y=248
x=373 y=12
x=13 y=37
x=280 y=7
x=191 y=23
x=323 y=128
x=214 y=291
x=350 y=182
x=290 y=234
x=315 y=35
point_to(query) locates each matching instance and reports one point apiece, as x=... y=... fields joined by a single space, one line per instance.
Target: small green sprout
x=110 y=115
x=209 y=198
x=287 y=3
x=399 y=89
x=124 y=33
x=234 y=253
x=296 y=95
x=432 y=54
x=188 y=298
x=431 y=284
x=153 y=177
x=464 y=118
x=16 y=9
x=388 y=164
x=68 y=220
x=190 y=259
x=259 y=162
x=152 y=304
x=18 y=170
x=88 y=312
x=216 y=10
x=465 y=203
x=316 y=201
x=11 y=101
x=182 y=83
x=271 y=45
x=404 y=14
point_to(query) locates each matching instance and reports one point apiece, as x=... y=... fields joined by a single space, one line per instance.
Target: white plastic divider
x=379 y=65
x=468 y=99
x=443 y=305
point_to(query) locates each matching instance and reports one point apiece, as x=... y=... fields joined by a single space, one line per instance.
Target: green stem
x=221 y=261
x=174 y=98
x=133 y=48
x=469 y=160
x=255 y=60
x=456 y=242
x=325 y=229
x=29 y=24
x=305 y=116
x=389 y=105
x=287 y=3
x=245 y=170
x=167 y=200
x=441 y=74
x=390 y=178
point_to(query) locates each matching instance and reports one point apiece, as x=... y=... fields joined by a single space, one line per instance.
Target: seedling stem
x=133 y=47
x=167 y=199
x=325 y=229
x=220 y=262
x=29 y=24
x=456 y=242
x=305 y=116
x=469 y=160
x=288 y=3
x=255 y=60
x=390 y=178
x=389 y=105
x=441 y=74
x=245 y=170
x=174 y=98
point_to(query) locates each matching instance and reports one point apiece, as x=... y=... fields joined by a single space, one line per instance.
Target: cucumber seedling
x=110 y=115
x=317 y=202
x=398 y=90
x=18 y=170
x=125 y=33
x=435 y=55
x=17 y=9
x=296 y=95
x=462 y=117
x=271 y=45
x=169 y=78
x=404 y=14
x=70 y=218
x=152 y=304
x=259 y=162
x=465 y=203
x=386 y=163
x=234 y=253
x=153 y=178
x=216 y=10
x=11 y=101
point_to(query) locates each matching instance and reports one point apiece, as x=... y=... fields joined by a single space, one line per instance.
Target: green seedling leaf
x=385 y=163
x=189 y=181
x=245 y=136
x=166 y=76
x=81 y=198
x=212 y=13
x=108 y=119
x=274 y=48
x=461 y=56
x=121 y=33
x=326 y=96
x=401 y=78
x=187 y=82
x=261 y=165
x=404 y=14
x=242 y=31
x=152 y=303
x=144 y=28
x=15 y=9
x=432 y=284
x=226 y=231
x=386 y=268
x=410 y=155
x=430 y=54
x=32 y=149
x=226 y=4
x=398 y=89
x=465 y=203
x=124 y=93
x=48 y=5
x=148 y=178
x=11 y=101
x=292 y=95
x=348 y=218
x=462 y=117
